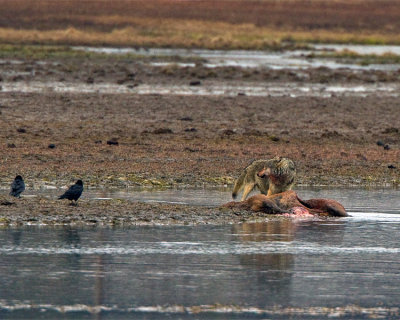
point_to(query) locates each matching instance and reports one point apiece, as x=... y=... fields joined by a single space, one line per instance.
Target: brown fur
x=269 y=176
x=283 y=202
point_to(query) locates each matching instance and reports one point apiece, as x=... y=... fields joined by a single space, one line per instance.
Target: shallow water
x=212 y=89
x=359 y=48
x=346 y=268
x=356 y=200
x=255 y=59
x=296 y=60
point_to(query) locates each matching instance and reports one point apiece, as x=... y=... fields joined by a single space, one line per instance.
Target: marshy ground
x=127 y=139
x=124 y=139
x=121 y=139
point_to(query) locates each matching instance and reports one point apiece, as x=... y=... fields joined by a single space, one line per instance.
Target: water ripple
x=336 y=312
x=203 y=248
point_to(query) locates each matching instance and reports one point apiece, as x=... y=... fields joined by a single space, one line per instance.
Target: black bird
x=17 y=186
x=73 y=192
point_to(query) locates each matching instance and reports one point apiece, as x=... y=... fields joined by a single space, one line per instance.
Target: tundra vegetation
x=219 y=24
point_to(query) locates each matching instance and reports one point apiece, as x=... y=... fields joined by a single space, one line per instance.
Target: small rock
x=100 y=72
x=162 y=131
x=131 y=75
x=228 y=132
x=195 y=83
x=98 y=142
x=186 y=119
x=253 y=132
x=331 y=134
x=361 y=157
x=17 y=78
x=112 y=142
x=386 y=147
x=11 y=145
x=6 y=203
x=21 y=130
x=390 y=130
x=90 y=80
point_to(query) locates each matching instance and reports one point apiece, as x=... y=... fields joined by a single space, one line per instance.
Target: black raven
x=17 y=187
x=73 y=192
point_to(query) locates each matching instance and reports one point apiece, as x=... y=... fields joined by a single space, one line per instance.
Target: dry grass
x=152 y=32
x=211 y=24
x=190 y=34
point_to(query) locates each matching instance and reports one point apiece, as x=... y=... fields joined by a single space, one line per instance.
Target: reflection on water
x=271 y=231
x=348 y=268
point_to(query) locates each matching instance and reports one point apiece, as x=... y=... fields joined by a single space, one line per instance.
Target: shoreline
x=118 y=213
x=120 y=210
x=42 y=211
x=163 y=141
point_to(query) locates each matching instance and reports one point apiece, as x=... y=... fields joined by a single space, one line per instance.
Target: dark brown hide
x=286 y=201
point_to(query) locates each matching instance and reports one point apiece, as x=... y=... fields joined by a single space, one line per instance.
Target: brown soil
x=168 y=140
x=121 y=140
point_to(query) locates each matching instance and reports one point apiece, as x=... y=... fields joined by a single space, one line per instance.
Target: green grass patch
x=38 y=52
x=49 y=52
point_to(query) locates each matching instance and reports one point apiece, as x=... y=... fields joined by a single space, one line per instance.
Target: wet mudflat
x=345 y=268
x=122 y=208
x=194 y=118
x=285 y=59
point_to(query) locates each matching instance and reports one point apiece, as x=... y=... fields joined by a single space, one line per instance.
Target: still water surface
x=346 y=268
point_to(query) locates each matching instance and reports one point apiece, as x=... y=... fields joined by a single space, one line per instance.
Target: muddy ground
x=127 y=140
x=119 y=213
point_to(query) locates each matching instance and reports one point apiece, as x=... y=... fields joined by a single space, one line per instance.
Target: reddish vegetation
x=355 y=15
